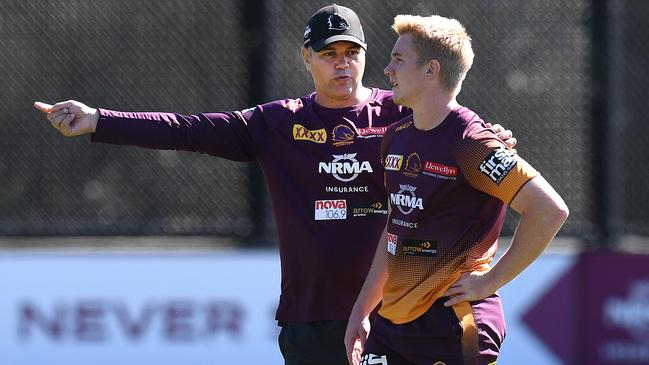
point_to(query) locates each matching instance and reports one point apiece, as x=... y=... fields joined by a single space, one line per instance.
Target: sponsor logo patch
x=419 y=248
x=367 y=132
x=393 y=162
x=413 y=165
x=402 y=223
x=630 y=313
x=347 y=189
x=345 y=167
x=337 y=22
x=403 y=126
x=440 y=169
x=302 y=134
x=498 y=164
x=307 y=33
x=342 y=135
x=406 y=200
x=372 y=131
x=365 y=209
x=392 y=243
x=330 y=209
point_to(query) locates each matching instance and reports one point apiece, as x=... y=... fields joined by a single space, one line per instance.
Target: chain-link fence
x=125 y=55
x=532 y=74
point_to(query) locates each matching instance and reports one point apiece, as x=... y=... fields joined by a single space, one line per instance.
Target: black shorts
x=313 y=343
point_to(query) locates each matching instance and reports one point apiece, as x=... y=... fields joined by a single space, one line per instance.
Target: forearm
x=218 y=134
x=540 y=221
x=149 y=130
x=532 y=236
x=372 y=291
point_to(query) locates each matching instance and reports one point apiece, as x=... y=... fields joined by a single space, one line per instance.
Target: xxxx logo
x=393 y=162
x=302 y=134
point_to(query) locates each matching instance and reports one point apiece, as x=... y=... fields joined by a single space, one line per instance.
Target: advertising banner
x=218 y=308
x=139 y=309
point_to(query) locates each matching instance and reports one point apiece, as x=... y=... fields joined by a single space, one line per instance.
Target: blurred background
x=106 y=248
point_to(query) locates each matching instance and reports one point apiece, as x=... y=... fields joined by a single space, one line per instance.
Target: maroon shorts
x=466 y=334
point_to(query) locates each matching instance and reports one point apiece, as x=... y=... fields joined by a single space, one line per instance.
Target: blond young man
x=449 y=180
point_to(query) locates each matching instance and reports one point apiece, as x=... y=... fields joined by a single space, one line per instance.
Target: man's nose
x=343 y=62
x=388 y=69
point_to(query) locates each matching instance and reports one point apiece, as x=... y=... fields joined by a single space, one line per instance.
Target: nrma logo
x=406 y=200
x=345 y=167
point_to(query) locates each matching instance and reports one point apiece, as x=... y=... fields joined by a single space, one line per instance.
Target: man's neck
x=431 y=110
x=360 y=95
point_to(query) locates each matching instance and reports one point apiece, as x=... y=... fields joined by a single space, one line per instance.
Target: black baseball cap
x=333 y=23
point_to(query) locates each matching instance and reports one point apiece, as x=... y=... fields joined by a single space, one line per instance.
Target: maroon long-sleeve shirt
x=323 y=172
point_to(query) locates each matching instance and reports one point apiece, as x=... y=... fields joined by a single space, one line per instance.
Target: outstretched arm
x=230 y=135
x=542 y=214
x=71 y=118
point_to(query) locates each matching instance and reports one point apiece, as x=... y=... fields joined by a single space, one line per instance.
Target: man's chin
x=344 y=92
x=398 y=100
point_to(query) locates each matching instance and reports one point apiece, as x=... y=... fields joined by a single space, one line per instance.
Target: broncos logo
x=413 y=165
x=342 y=135
x=337 y=22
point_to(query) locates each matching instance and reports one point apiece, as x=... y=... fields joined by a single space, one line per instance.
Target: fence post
x=608 y=120
x=253 y=23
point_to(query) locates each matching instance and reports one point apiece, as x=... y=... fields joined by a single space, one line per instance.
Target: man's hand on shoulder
x=505 y=134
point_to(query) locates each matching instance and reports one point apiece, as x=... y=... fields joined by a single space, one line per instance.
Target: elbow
x=551 y=211
x=560 y=211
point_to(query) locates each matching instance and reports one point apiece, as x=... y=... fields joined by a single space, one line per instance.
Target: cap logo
x=307 y=32
x=337 y=22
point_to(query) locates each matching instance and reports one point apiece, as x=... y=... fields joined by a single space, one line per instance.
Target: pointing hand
x=71 y=118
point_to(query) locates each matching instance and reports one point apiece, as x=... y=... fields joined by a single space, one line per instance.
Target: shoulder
x=400 y=126
x=395 y=129
x=472 y=127
x=274 y=111
x=288 y=106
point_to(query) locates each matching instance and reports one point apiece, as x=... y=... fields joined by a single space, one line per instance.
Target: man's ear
x=433 y=68
x=306 y=58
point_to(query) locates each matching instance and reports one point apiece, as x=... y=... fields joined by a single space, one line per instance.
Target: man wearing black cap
x=320 y=158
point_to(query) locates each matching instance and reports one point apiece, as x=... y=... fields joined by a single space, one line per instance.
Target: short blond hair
x=442 y=39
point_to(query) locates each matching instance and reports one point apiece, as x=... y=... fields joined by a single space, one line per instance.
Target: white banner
x=187 y=309
x=139 y=309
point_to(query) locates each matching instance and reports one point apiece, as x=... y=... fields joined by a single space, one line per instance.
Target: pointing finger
x=44 y=107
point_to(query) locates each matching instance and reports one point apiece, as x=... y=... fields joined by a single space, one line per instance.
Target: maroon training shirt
x=323 y=171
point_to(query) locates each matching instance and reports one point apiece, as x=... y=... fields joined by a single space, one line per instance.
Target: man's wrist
x=94 y=120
